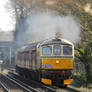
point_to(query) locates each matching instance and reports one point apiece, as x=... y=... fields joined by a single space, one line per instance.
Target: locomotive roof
x=27 y=47
x=48 y=41
x=55 y=40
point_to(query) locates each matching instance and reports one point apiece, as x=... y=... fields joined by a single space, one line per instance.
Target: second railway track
x=11 y=85
x=31 y=83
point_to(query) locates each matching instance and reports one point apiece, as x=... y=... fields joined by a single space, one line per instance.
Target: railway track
x=31 y=83
x=11 y=85
x=39 y=86
x=7 y=85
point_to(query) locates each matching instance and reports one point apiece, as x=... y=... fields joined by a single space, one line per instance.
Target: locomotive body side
x=28 y=62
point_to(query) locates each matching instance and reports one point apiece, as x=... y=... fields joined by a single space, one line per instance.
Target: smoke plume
x=40 y=26
x=45 y=25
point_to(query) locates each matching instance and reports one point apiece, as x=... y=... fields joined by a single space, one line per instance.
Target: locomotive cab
x=56 y=62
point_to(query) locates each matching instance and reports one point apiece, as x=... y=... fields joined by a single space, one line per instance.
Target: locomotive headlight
x=57 y=61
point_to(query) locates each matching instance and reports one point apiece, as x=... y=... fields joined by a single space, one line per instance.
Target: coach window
x=46 y=50
x=67 y=50
x=57 y=49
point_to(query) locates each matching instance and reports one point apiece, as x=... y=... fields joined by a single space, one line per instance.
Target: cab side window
x=46 y=50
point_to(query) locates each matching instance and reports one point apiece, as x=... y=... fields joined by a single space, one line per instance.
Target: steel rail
x=4 y=86
x=7 y=85
x=73 y=89
x=50 y=89
x=23 y=85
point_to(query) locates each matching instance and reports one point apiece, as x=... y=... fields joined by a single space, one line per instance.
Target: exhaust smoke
x=40 y=26
x=46 y=25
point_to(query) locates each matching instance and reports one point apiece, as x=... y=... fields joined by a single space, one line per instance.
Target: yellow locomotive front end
x=57 y=62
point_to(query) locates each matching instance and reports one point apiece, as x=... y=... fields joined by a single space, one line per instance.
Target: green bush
x=79 y=80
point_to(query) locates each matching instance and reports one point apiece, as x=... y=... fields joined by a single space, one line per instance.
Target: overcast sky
x=6 y=21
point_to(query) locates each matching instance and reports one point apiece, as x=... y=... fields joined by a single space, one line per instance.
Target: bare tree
x=22 y=9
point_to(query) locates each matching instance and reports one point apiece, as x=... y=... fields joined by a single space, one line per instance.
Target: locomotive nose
x=58 y=76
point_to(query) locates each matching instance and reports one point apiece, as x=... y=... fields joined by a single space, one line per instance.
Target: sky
x=6 y=20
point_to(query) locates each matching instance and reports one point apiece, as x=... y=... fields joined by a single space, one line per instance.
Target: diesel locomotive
x=49 y=61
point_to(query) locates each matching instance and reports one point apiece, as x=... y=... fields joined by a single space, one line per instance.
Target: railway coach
x=49 y=61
